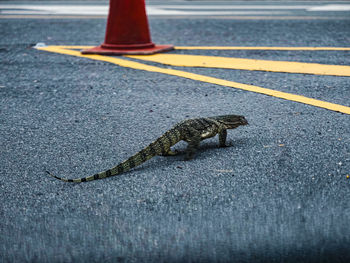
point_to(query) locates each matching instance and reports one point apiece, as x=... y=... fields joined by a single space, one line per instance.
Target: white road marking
x=152 y=10
x=330 y=8
x=55 y=9
x=233 y=6
x=169 y=10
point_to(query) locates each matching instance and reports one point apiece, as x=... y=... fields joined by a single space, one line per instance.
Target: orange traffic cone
x=127 y=31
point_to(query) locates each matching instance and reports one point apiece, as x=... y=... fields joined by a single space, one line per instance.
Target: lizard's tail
x=158 y=147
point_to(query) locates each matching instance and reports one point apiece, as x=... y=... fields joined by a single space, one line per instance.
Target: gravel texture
x=279 y=194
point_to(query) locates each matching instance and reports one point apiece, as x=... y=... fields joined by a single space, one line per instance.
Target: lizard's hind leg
x=192 y=147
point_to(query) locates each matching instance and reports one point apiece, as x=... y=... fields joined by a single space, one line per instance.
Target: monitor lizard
x=192 y=131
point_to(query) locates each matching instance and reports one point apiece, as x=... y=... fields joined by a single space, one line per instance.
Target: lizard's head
x=231 y=121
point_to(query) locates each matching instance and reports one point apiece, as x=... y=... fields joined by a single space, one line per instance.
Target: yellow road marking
x=241 y=48
x=212 y=80
x=268 y=48
x=68 y=47
x=246 y=64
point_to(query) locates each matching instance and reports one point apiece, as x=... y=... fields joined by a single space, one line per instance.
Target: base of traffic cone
x=106 y=49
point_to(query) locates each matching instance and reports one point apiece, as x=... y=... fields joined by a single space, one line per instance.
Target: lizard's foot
x=189 y=156
x=170 y=153
x=226 y=145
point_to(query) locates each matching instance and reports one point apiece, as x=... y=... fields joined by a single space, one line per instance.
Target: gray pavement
x=279 y=194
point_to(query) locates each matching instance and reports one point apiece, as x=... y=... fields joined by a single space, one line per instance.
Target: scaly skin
x=192 y=131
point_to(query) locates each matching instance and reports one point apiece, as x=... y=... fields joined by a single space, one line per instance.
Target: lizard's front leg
x=222 y=138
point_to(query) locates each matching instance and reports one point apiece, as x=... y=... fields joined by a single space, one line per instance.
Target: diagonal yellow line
x=222 y=82
x=181 y=60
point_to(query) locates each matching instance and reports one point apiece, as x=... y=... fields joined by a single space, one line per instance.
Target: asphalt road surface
x=280 y=193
